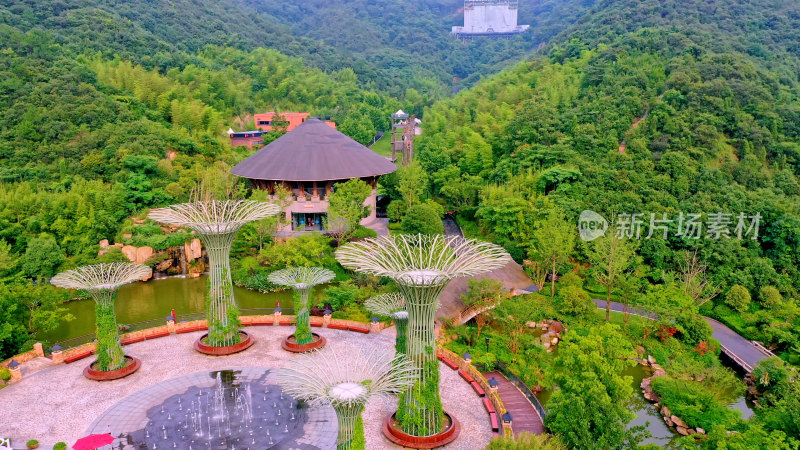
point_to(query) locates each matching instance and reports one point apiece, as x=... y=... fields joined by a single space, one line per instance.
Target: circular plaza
x=180 y=393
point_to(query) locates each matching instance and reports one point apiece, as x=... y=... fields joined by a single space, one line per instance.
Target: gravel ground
x=59 y=404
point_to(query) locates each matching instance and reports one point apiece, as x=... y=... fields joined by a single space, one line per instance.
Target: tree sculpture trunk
x=222 y=313
x=420 y=412
x=302 y=333
x=110 y=355
x=347 y=416
x=401 y=327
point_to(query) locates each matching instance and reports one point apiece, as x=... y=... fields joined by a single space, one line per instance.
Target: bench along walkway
x=746 y=354
x=524 y=414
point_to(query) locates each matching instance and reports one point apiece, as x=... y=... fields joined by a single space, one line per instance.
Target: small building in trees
x=248 y=139
x=491 y=18
x=271 y=120
x=309 y=161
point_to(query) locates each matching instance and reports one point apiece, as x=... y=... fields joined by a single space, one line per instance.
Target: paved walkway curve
x=746 y=353
x=524 y=415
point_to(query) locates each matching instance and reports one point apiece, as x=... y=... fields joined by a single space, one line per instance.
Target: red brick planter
x=247 y=342
x=290 y=345
x=393 y=432
x=131 y=365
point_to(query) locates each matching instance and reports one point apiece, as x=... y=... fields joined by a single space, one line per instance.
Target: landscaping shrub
x=770 y=374
x=341 y=295
x=693 y=329
x=571 y=279
x=770 y=297
x=60 y=446
x=527 y=441
x=424 y=219
x=573 y=301
x=395 y=210
x=363 y=232
x=5 y=374
x=738 y=298
x=694 y=403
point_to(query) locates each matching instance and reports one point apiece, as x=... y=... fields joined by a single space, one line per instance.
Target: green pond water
x=155 y=299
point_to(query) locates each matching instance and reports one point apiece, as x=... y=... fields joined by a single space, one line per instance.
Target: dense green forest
x=716 y=128
x=391 y=45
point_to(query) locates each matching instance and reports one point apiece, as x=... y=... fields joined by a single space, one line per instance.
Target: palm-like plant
x=102 y=282
x=345 y=378
x=302 y=281
x=422 y=266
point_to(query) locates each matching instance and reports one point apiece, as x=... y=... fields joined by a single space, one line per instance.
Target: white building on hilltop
x=490 y=18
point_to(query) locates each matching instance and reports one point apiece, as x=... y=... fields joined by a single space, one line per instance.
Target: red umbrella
x=93 y=441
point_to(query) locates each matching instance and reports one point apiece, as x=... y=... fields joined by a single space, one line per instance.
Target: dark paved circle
x=240 y=408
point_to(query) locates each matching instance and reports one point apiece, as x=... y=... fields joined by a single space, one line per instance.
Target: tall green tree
x=553 y=242
x=42 y=257
x=610 y=256
x=590 y=408
x=346 y=208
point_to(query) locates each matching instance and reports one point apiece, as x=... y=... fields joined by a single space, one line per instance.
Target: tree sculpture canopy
x=422 y=265
x=345 y=377
x=217 y=222
x=302 y=280
x=97 y=277
x=422 y=260
x=102 y=281
x=392 y=305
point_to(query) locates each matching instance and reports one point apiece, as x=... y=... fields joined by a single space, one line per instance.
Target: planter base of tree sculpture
x=216 y=223
x=422 y=266
x=345 y=378
x=102 y=282
x=302 y=281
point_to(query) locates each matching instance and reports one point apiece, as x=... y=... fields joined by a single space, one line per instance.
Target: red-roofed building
x=265 y=121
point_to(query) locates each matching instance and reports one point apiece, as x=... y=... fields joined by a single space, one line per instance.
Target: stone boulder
x=682 y=430
x=163 y=265
x=193 y=249
x=666 y=412
x=130 y=252
x=143 y=254
x=678 y=421
x=659 y=373
x=668 y=421
x=104 y=243
x=651 y=360
x=700 y=430
x=645 y=383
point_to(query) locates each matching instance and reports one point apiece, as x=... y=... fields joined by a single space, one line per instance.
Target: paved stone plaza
x=59 y=404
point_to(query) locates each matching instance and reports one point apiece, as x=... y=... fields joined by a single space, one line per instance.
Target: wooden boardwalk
x=525 y=417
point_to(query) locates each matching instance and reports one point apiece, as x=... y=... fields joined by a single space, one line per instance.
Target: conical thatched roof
x=313 y=152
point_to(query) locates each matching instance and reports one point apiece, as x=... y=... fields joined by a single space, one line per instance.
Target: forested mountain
x=392 y=45
x=643 y=107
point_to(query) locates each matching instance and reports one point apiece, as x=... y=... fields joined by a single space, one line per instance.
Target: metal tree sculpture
x=302 y=281
x=422 y=266
x=391 y=305
x=102 y=281
x=345 y=378
x=216 y=223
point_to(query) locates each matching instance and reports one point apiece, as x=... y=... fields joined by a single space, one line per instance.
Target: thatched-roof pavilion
x=310 y=160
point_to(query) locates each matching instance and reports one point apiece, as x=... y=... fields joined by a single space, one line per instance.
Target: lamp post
x=487 y=344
